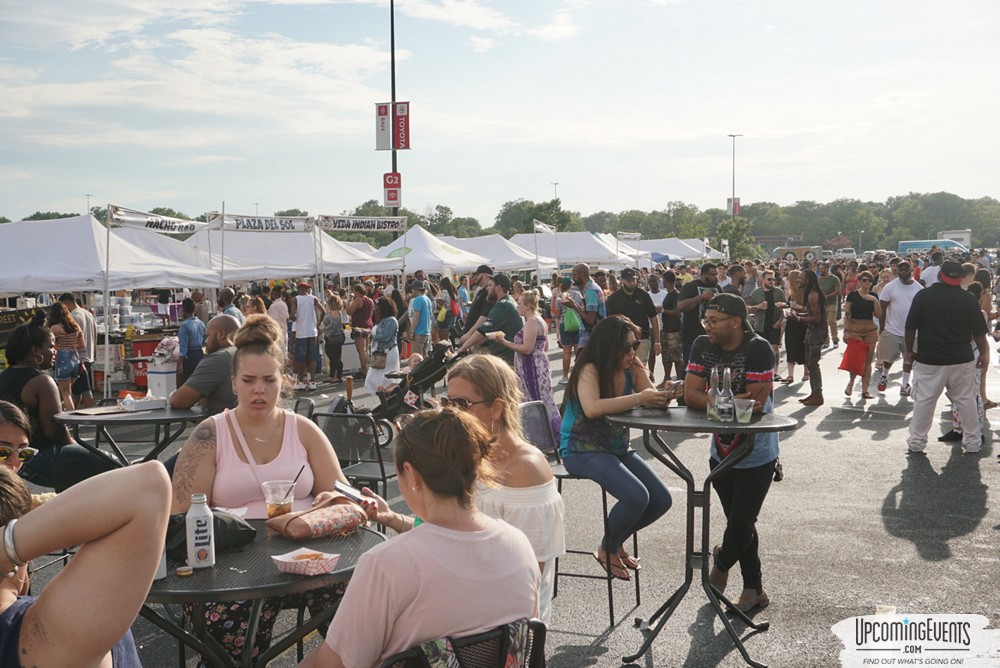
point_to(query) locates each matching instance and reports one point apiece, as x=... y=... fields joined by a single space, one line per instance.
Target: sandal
x=788 y=380
x=611 y=569
x=990 y=404
x=867 y=395
x=850 y=389
x=628 y=561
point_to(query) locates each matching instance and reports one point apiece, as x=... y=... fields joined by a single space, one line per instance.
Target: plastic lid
x=199 y=498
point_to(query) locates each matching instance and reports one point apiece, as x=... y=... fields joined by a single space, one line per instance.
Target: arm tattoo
x=201 y=444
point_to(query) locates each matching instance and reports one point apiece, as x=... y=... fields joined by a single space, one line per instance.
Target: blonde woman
x=525 y=495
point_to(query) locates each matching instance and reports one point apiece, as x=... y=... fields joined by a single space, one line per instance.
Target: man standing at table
x=945 y=319
x=212 y=380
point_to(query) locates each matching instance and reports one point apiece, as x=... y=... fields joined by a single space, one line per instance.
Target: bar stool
x=537 y=430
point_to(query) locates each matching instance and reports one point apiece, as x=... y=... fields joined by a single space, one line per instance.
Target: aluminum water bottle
x=725 y=404
x=200 y=533
x=711 y=406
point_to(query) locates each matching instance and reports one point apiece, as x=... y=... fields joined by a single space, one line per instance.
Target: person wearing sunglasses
x=730 y=342
x=403 y=592
x=15 y=434
x=860 y=309
x=609 y=378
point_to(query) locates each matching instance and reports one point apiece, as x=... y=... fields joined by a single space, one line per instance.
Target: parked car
x=845 y=254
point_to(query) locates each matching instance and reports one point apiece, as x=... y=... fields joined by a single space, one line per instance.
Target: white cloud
x=561 y=27
x=481 y=44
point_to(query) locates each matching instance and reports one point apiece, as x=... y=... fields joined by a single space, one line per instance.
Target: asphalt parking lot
x=856 y=524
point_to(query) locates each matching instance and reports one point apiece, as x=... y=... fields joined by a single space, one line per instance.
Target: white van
x=845 y=254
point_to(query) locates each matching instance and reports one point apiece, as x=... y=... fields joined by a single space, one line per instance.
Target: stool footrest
x=697 y=499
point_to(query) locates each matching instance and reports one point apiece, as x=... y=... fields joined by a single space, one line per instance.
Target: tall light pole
x=555 y=190
x=256 y=206
x=860 y=233
x=88 y=196
x=733 y=210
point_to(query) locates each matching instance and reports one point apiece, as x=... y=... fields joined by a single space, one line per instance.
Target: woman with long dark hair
x=384 y=339
x=445 y=298
x=812 y=312
x=69 y=341
x=60 y=462
x=861 y=307
x=609 y=379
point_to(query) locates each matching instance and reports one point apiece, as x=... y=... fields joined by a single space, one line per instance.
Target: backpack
x=571 y=320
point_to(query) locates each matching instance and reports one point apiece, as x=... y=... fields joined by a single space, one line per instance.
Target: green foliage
x=4 y=219
x=169 y=213
x=741 y=244
x=515 y=217
x=49 y=215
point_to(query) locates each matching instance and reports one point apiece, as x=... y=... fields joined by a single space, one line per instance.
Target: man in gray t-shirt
x=212 y=380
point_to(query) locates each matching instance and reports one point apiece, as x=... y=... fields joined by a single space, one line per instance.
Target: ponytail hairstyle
x=259 y=335
x=450 y=450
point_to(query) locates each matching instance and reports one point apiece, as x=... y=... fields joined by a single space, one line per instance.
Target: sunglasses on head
x=460 y=403
x=24 y=454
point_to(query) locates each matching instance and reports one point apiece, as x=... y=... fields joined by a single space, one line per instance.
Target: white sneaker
x=904 y=391
x=563 y=380
x=299 y=385
x=311 y=385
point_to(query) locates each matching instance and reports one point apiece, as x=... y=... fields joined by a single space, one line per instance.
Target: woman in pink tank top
x=228 y=456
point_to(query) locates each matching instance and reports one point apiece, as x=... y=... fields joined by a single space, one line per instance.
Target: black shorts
x=772 y=336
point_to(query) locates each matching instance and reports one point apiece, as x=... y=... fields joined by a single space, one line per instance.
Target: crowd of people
x=485 y=517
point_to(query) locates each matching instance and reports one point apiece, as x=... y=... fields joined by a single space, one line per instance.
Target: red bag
x=855 y=356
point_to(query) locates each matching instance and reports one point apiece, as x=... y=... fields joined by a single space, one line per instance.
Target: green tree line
x=840 y=223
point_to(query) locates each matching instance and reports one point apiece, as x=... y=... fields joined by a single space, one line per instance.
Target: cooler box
x=161 y=379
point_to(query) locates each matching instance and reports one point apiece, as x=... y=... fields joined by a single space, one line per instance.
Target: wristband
x=8 y=543
x=637 y=400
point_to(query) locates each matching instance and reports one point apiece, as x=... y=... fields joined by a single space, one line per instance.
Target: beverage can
x=200 y=533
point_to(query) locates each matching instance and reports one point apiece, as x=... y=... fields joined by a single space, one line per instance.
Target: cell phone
x=351 y=493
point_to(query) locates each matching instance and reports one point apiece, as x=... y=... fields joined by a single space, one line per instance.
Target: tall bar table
x=653 y=422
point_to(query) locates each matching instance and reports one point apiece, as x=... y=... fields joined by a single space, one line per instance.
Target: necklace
x=246 y=432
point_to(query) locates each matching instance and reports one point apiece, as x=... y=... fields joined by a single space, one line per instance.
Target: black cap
x=951 y=273
x=484 y=269
x=503 y=280
x=628 y=273
x=730 y=305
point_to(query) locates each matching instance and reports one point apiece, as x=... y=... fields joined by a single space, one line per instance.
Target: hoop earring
x=38 y=358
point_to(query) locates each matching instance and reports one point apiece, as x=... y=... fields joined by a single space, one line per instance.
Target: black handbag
x=231 y=533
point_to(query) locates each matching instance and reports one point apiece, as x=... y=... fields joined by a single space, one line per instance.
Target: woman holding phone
x=608 y=378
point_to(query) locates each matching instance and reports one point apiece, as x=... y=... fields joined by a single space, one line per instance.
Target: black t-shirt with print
x=752 y=362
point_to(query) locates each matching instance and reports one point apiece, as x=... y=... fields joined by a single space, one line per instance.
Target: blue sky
x=625 y=103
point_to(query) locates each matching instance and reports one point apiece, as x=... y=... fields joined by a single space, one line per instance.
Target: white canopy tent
x=173 y=249
x=672 y=247
x=362 y=246
x=68 y=254
x=704 y=250
x=574 y=247
x=284 y=254
x=421 y=250
x=503 y=255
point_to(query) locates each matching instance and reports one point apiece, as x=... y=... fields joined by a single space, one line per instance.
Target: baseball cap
x=951 y=273
x=484 y=269
x=503 y=280
x=730 y=305
x=628 y=273
x=370 y=282
x=303 y=284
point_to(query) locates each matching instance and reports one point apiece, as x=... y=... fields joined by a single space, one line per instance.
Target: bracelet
x=402 y=523
x=8 y=543
x=637 y=400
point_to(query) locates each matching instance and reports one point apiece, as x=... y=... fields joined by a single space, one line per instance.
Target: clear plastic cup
x=744 y=410
x=278 y=495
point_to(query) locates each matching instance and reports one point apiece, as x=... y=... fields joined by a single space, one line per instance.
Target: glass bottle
x=724 y=404
x=711 y=406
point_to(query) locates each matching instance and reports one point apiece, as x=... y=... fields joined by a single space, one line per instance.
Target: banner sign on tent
x=123 y=217
x=362 y=224
x=234 y=223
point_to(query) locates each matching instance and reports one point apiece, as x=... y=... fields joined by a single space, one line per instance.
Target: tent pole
x=538 y=269
x=107 y=304
x=222 y=268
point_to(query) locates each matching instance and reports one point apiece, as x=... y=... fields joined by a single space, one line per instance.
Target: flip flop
x=610 y=568
x=867 y=395
x=629 y=562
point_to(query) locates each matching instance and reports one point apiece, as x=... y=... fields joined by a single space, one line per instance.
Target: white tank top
x=305 y=316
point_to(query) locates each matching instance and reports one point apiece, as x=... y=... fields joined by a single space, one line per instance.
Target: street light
x=733 y=210
x=256 y=206
x=88 y=195
x=555 y=190
x=860 y=233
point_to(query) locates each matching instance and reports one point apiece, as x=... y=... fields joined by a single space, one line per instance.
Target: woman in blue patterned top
x=609 y=379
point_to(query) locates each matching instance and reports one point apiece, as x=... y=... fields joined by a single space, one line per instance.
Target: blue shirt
x=580 y=433
x=593 y=301
x=191 y=336
x=421 y=306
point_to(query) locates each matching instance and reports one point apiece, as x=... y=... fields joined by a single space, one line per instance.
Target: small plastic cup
x=278 y=495
x=744 y=410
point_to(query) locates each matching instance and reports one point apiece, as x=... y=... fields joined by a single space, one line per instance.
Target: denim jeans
x=62 y=466
x=642 y=496
x=742 y=493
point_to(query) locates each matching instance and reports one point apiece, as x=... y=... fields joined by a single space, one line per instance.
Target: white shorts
x=890 y=347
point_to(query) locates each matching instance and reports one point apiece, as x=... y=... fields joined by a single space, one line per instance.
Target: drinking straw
x=292 y=486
